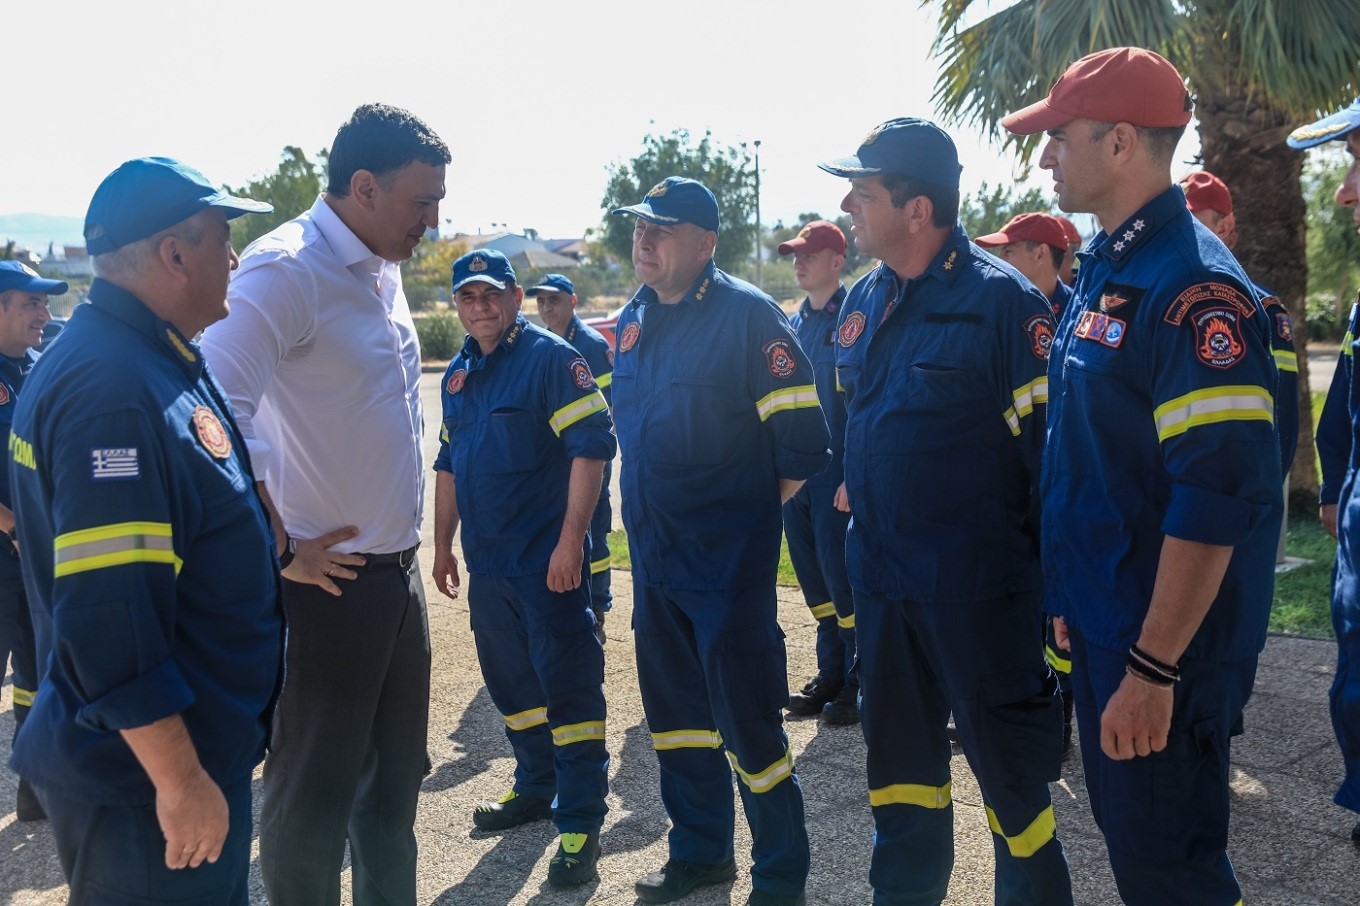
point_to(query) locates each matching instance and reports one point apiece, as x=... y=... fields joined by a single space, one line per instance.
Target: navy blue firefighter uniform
x=598 y=354
x=1161 y=424
x=151 y=568
x=945 y=386
x=814 y=527
x=714 y=403
x=513 y=421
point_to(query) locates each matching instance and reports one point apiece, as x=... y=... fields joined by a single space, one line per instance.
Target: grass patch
x=619 y=558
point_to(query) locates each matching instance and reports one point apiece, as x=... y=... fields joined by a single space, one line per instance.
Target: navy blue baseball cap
x=553 y=283
x=17 y=275
x=1330 y=128
x=677 y=199
x=149 y=194
x=483 y=266
x=907 y=146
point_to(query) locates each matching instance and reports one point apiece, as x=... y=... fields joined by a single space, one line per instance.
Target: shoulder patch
x=1218 y=336
x=456 y=380
x=1214 y=293
x=851 y=328
x=1279 y=318
x=628 y=339
x=114 y=464
x=211 y=434
x=609 y=355
x=580 y=374
x=1040 y=331
x=1119 y=296
x=779 y=355
x=4 y=394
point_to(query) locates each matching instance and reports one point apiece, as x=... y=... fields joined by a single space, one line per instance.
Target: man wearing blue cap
x=149 y=559
x=556 y=298
x=1335 y=433
x=23 y=313
x=719 y=424
x=941 y=352
x=525 y=438
x=322 y=366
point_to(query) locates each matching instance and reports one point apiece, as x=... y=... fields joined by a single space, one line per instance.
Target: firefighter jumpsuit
x=814 y=527
x=1345 y=691
x=715 y=403
x=16 y=626
x=945 y=385
x=1161 y=424
x=513 y=422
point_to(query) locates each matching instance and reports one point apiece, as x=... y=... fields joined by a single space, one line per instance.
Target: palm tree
x=1257 y=68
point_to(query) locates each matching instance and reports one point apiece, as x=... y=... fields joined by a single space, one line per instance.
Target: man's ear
x=363 y=186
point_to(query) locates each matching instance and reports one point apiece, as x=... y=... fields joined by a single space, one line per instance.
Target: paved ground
x=1290 y=844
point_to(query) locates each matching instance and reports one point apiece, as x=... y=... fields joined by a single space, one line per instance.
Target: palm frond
x=1304 y=55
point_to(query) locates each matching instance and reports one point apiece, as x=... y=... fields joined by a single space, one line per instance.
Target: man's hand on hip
x=316 y=564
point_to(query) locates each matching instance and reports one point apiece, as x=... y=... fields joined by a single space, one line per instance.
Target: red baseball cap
x=1206 y=192
x=815 y=236
x=1119 y=85
x=1069 y=230
x=1043 y=228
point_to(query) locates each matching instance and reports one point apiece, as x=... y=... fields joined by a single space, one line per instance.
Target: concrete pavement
x=1290 y=844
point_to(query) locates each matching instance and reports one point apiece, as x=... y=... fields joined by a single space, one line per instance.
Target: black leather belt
x=400 y=558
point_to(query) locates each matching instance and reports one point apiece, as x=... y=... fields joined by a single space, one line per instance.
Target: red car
x=605 y=324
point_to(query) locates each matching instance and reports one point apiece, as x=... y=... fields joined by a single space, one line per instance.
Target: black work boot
x=575 y=861
x=818 y=691
x=511 y=810
x=843 y=710
x=677 y=879
x=26 y=804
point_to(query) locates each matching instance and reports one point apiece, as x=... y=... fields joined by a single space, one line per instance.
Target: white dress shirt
x=320 y=361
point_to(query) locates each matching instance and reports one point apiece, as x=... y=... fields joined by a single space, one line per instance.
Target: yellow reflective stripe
x=768 y=779
x=444 y=434
x=686 y=739
x=846 y=622
x=587 y=730
x=804 y=396
x=114 y=545
x=1346 y=342
x=1056 y=660
x=1236 y=402
x=1031 y=839
x=572 y=413
x=1026 y=397
x=1012 y=420
x=913 y=794
x=599 y=566
x=604 y=380
x=822 y=611
x=525 y=719
x=23 y=697
x=1286 y=360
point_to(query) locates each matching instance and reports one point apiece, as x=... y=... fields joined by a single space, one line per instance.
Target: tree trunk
x=1242 y=138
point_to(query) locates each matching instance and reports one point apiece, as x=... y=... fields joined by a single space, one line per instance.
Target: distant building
x=73 y=262
x=528 y=253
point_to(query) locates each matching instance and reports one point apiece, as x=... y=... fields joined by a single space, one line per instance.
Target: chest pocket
x=512 y=442
x=699 y=423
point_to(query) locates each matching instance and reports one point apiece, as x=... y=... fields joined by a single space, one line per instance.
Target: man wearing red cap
x=1068 y=271
x=816 y=518
x=1210 y=202
x=1161 y=480
x=1035 y=245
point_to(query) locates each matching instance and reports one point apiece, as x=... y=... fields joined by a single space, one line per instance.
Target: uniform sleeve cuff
x=1196 y=514
x=591 y=443
x=158 y=693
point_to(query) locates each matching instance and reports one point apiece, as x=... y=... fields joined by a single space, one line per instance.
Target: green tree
x=291 y=189
x=1257 y=68
x=726 y=170
x=426 y=276
x=1333 y=244
x=989 y=209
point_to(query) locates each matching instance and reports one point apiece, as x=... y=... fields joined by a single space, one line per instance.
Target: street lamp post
x=760 y=251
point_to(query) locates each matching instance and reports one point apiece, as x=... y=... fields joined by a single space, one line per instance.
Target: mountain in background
x=35 y=231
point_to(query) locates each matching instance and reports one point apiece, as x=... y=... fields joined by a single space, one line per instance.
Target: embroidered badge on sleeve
x=456 y=381
x=852 y=328
x=629 y=337
x=1040 y=330
x=580 y=374
x=114 y=464
x=780 y=358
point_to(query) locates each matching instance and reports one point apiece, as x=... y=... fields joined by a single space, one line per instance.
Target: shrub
x=441 y=336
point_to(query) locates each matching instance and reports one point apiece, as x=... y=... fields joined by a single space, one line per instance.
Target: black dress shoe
x=677 y=879
x=511 y=811
x=843 y=710
x=575 y=861
x=26 y=804
x=814 y=696
x=760 y=897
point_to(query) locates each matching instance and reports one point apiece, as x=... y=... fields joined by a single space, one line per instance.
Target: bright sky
x=534 y=98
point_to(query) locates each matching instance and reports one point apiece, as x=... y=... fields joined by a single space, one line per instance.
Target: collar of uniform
x=472 y=350
x=832 y=305
x=573 y=327
x=1120 y=244
x=948 y=262
x=14 y=369
x=126 y=307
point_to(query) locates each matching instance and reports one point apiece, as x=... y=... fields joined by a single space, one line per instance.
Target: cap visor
x=992 y=240
x=239 y=206
x=646 y=213
x=1330 y=128
x=542 y=287
x=849 y=168
x=1038 y=117
x=788 y=248
x=478 y=278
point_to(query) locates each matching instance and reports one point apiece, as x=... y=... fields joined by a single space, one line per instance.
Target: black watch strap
x=289 y=551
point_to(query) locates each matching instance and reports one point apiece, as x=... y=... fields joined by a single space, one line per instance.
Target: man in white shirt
x=321 y=363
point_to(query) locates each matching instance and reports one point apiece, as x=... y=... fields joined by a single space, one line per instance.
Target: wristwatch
x=289 y=551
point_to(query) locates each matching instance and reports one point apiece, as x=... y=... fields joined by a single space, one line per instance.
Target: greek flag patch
x=114 y=464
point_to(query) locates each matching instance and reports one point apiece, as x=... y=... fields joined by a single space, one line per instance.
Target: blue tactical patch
x=114 y=464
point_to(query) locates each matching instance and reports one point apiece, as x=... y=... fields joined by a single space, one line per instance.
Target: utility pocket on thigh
x=748 y=672
x=1018 y=726
x=1190 y=793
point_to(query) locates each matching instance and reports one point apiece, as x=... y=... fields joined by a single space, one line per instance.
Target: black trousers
x=16 y=644
x=348 y=750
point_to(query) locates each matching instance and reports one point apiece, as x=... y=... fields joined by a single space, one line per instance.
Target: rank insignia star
x=1119 y=246
x=1128 y=234
x=949 y=262
x=1138 y=225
